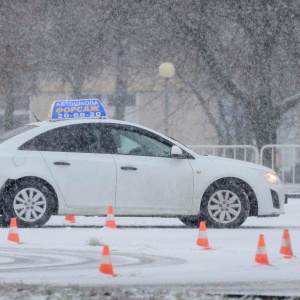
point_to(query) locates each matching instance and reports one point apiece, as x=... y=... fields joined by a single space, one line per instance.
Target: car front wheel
x=29 y=201
x=225 y=205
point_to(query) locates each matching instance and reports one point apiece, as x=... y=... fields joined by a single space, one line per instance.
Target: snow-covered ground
x=152 y=257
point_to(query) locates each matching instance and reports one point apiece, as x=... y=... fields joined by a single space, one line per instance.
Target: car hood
x=238 y=163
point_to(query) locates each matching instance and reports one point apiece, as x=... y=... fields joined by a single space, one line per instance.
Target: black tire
x=4 y=221
x=29 y=201
x=191 y=222
x=225 y=205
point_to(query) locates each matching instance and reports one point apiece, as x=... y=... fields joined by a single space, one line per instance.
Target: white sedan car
x=80 y=166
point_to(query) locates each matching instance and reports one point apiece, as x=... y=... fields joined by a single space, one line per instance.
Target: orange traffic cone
x=110 y=220
x=261 y=254
x=70 y=218
x=286 y=246
x=202 y=239
x=13 y=231
x=106 y=265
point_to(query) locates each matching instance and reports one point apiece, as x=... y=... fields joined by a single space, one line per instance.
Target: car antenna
x=34 y=116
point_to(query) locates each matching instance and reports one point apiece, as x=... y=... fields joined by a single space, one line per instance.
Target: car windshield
x=9 y=134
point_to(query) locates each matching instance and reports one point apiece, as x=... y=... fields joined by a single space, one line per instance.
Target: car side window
x=135 y=141
x=80 y=138
x=63 y=139
x=100 y=138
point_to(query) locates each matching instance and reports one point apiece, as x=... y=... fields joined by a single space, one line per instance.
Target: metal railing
x=284 y=159
x=241 y=152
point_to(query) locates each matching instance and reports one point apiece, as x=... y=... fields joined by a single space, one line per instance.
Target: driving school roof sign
x=70 y=109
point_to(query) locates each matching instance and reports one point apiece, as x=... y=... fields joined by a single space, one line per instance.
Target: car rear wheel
x=29 y=202
x=192 y=222
x=225 y=205
x=4 y=222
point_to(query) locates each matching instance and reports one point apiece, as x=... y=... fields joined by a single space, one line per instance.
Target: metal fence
x=284 y=159
x=241 y=152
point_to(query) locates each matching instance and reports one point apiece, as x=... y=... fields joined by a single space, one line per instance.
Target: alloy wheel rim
x=30 y=204
x=224 y=206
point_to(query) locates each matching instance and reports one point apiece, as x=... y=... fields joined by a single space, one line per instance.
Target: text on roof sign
x=69 y=109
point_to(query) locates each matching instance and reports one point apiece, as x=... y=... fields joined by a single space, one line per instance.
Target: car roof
x=43 y=126
x=65 y=122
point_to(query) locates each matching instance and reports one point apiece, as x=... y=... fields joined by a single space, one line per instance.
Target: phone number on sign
x=79 y=115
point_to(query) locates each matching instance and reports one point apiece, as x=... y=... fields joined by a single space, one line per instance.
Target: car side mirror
x=176 y=152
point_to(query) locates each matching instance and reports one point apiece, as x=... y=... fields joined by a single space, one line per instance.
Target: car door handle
x=61 y=163
x=129 y=168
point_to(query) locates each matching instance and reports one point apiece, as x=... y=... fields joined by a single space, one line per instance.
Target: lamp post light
x=167 y=71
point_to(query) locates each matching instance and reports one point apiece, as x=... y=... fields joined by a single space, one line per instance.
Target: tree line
x=238 y=58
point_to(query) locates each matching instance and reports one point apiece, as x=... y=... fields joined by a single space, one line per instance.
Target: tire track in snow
x=13 y=260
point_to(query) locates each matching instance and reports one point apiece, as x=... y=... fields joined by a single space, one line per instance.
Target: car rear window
x=10 y=134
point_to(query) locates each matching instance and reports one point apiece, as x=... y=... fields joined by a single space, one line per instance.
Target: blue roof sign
x=71 y=109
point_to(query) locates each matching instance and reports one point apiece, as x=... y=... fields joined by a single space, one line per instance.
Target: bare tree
x=17 y=66
x=75 y=45
x=176 y=31
x=240 y=60
x=246 y=69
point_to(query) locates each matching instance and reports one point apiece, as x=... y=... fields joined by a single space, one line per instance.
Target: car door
x=84 y=173
x=149 y=180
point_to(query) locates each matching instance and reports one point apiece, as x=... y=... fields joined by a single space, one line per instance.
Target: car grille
x=275 y=199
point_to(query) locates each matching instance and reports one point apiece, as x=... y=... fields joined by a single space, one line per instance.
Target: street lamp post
x=167 y=71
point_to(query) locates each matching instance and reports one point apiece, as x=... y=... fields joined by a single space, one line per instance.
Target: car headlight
x=271 y=178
